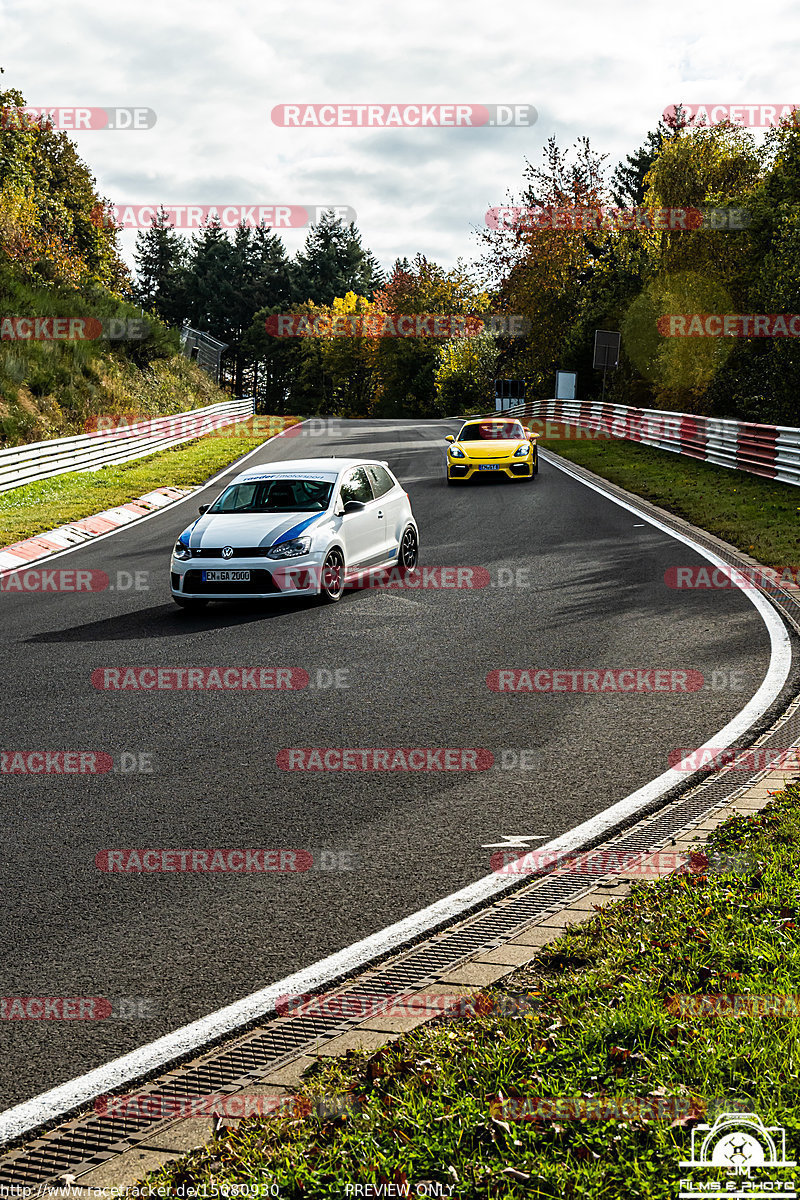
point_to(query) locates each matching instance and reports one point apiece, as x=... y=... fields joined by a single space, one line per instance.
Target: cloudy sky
x=214 y=72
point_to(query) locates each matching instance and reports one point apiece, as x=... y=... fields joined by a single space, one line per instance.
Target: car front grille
x=259 y=582
x=238 y=552
x=521 y=468
x=456 y=471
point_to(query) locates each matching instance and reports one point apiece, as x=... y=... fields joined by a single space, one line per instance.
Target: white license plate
x=489 y=467
x=226 y=576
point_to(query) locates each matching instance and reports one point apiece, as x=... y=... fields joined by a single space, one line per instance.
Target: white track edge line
x=42 y=1109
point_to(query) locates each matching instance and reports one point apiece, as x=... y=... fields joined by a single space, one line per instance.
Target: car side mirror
x=353 y=506
x=203 y=508
x=449 y=438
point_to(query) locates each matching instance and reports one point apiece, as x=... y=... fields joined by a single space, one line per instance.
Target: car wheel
x=190 y=604
x=408 y=553
x=331 y=583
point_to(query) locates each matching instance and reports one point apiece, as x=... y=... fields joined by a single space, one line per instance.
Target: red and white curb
x=19 y=554
x=68 y=537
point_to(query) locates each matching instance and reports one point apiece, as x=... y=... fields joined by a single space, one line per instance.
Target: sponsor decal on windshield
x=285 y=475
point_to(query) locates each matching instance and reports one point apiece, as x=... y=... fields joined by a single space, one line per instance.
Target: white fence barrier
x=772 y=451
x=109 y=446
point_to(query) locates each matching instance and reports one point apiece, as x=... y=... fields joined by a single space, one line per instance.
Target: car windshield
x=274 y=496
x=485 y=431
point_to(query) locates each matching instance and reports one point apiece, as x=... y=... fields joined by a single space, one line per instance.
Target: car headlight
x=456 y=453
x=292 y=549
x=181 y=551
x=522 y=451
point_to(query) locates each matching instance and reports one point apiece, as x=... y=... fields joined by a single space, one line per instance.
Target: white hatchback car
x=303 y=528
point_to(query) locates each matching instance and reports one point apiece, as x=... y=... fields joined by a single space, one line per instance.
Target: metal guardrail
x=772 y=451
x=108 y=447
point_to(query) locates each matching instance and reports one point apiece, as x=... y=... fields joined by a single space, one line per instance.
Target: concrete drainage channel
x=99 y=1151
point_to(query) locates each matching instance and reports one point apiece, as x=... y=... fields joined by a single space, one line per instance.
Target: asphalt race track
x=415 y=662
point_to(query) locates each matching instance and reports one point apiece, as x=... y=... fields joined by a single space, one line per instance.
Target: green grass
x=758 y=516
x=37 y=507
x=421 y=1109
x=52 y=388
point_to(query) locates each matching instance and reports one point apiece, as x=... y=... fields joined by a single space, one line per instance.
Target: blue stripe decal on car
x=297 y=529
x=187 y=533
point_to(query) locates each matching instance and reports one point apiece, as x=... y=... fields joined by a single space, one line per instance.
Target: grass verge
x=40 y=506
x=423 y=1110
x=756 y=515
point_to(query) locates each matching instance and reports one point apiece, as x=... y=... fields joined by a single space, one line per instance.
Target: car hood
x=491 y=447
x=215 y=530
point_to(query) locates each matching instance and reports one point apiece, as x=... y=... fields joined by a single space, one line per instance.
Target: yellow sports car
x=492 y=444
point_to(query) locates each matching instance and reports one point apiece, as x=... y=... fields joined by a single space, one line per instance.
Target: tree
x=160 y=257
x=541 y=272
x=761 y=381
x=49 y=206
x=333 y=263
x=405 y=368
x=276 y=363
x=698 y=270
x=465 y=372
x=627 y=182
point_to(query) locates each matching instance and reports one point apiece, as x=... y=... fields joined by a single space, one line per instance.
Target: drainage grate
x=88 y=1140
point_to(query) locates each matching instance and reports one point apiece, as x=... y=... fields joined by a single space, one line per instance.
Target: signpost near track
x=606 y=352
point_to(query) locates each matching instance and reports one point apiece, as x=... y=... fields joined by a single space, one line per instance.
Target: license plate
x=489 y=467
x=226 y=576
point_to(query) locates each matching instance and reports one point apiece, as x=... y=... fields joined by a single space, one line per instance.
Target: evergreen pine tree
x=333 y=263
x=160 y=256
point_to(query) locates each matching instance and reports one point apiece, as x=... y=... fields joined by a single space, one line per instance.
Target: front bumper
x=520 y=468
x=269 y=578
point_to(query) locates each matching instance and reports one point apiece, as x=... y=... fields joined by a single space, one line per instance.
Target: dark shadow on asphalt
x=490 y=479
x=167 y=621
